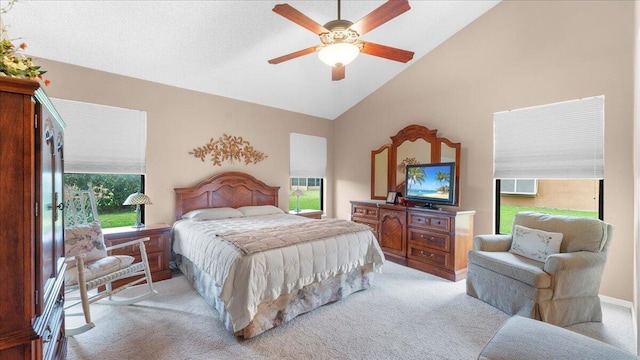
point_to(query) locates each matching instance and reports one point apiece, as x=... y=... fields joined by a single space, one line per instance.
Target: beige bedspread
x=245 y=281
x=253 y=241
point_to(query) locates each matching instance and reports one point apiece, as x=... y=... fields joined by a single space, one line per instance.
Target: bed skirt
x=287 y=306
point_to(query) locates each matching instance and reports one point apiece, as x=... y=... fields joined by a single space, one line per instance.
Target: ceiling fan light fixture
x=338 y=54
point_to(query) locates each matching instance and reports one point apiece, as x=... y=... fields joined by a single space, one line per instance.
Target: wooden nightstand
x=158 y=247
x=311 y=214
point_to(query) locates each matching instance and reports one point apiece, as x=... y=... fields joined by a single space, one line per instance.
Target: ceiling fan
x=341 y=38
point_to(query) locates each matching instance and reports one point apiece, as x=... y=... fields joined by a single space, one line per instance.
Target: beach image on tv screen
x=429 y=182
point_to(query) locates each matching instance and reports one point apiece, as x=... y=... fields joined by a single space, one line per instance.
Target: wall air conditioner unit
x=519 y=187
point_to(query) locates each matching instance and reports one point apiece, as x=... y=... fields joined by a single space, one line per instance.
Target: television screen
x=431 y=184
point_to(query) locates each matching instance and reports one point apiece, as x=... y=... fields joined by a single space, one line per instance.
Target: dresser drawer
x=156 y=260
x=440 y=223
x=370 y=212
x=429 y=256
x=430 y=240
x=155 y=243
x=370 y=223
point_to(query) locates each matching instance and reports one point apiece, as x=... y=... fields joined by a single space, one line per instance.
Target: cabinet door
x=49 y=227
x=393 y=230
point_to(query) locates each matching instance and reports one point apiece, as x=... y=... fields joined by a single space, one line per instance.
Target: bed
x=258 y=266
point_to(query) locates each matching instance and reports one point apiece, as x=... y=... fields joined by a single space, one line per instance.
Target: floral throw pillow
x=535 y=244
x=84 y=239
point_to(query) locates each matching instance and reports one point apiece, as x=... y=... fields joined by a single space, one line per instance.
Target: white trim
x=616 y=301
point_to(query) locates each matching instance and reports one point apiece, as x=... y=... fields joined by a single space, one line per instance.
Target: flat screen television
x=431 y=185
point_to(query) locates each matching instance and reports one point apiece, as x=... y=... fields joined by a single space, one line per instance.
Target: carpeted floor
x=406 y=314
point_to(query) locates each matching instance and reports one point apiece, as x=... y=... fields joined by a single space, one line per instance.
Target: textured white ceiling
x=222 y=47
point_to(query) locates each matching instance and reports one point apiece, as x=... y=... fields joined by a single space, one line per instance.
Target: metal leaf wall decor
x=229 y=148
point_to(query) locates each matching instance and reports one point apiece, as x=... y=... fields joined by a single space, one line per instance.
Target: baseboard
x=627 y=305
x=616 y=301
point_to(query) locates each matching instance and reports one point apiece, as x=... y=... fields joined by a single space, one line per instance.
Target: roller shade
x=563 y=140
x=308 y=156
x=103 y=139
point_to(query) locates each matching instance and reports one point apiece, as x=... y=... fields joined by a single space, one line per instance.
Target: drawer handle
x=426 y=254
x=430 y=238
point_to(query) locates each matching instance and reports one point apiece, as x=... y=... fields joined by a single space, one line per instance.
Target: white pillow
x=212 y=214
x=260 y=210
x=535 y=244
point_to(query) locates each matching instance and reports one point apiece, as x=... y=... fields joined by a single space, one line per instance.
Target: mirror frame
x=375 y=153
x=413 y=133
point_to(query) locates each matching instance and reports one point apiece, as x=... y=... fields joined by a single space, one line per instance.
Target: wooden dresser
x=434 y=241
x=31 y=225
x=158 y=247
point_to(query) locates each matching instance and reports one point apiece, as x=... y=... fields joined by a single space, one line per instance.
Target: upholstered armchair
x=549 y=269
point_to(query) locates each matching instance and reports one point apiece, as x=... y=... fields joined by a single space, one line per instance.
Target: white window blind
x=103 y=139
x=563 y=140
x=308 y=156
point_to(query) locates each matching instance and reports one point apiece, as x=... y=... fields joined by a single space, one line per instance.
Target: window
x=305 y=194
x=308 y=162
x=553 y=154
x=575 y=197
x=106 y=146
x=111 y=190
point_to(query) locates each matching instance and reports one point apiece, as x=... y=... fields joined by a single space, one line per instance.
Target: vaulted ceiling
x=222 y=47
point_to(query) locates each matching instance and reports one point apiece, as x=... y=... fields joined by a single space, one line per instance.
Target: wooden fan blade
x=381 y=15
x=293 y=55
x=386 y=52
x=337 y=73
x=299 y=18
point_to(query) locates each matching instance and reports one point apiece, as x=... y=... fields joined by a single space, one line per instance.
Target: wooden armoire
x=31 y=225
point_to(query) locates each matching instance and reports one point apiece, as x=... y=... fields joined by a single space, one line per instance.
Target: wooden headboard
x=229 y=189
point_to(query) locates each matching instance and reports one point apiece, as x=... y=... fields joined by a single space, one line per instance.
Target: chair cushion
x=514 y=266
x=84 y=239
x=98 y=268
x=579 y=233
x=535 y=244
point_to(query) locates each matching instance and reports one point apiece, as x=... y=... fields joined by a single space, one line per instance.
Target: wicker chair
x=89 y=267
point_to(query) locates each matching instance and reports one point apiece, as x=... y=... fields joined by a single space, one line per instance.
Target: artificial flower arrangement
x=14 y=63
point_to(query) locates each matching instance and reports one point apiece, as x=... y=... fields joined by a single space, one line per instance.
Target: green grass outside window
x=310 y=200
x=507 y=213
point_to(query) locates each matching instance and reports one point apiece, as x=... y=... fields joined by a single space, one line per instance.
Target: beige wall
x=519 y=54
x=179 y=120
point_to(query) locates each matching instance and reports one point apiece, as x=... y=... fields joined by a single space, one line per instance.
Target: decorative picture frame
x=392 y=196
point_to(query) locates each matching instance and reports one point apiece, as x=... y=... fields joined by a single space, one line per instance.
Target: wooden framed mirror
x=415 y=144
x=380 y=172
